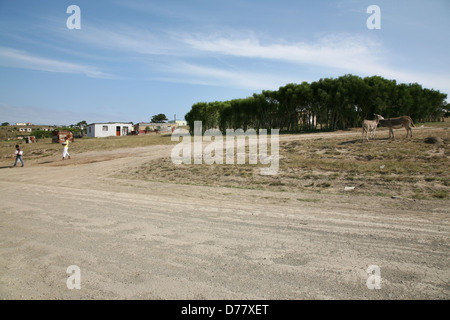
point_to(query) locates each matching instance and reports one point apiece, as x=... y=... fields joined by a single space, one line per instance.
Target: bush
x=40 y=134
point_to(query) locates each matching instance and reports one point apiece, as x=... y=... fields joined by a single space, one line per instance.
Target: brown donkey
x=397 y=123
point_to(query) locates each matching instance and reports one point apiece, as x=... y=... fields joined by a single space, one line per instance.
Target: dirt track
x=144 y=240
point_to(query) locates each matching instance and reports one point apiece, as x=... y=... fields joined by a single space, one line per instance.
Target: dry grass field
x=45 y=148
x=414 y=168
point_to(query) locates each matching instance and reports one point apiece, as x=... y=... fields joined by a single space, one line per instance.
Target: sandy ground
x=144 y=240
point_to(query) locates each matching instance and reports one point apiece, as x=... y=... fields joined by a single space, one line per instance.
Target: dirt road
x=145 y=240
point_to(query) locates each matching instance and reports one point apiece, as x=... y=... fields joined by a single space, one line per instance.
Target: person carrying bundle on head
x=66 y=148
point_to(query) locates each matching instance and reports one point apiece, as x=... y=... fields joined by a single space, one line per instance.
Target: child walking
x=19 y=154
x=66 y=149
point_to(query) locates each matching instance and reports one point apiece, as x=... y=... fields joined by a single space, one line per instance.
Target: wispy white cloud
x=139 y=48
x=213 y=76
x=128 y=40
x=338 y=51
x=335 y=53
x=10 y=57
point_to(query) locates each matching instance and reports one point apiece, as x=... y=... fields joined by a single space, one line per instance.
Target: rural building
x=30 y=139
x=179 y=122
x=110 y=129
x=59 y=136
x=142 y=127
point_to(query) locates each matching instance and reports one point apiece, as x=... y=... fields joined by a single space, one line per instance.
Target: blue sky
x=134 y=59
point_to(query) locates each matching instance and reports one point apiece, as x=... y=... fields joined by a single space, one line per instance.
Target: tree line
x=327 y=104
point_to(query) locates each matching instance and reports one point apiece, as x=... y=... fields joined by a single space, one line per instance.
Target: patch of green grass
x=419 y=194
x=333 y=176
x=325 y=185
x=276 y=183
x=309 y=200
x=441 y=194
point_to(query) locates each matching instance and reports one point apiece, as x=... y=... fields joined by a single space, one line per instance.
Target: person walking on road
x=19 y=154
x=66 y=148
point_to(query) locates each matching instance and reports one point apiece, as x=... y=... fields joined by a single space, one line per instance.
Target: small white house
x=110 y=129
x=179 y=122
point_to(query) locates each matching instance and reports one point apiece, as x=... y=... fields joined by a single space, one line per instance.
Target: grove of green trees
x=327 y=104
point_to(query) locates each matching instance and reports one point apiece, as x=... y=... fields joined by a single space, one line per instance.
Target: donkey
x=370 y=126
x=397 y=123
